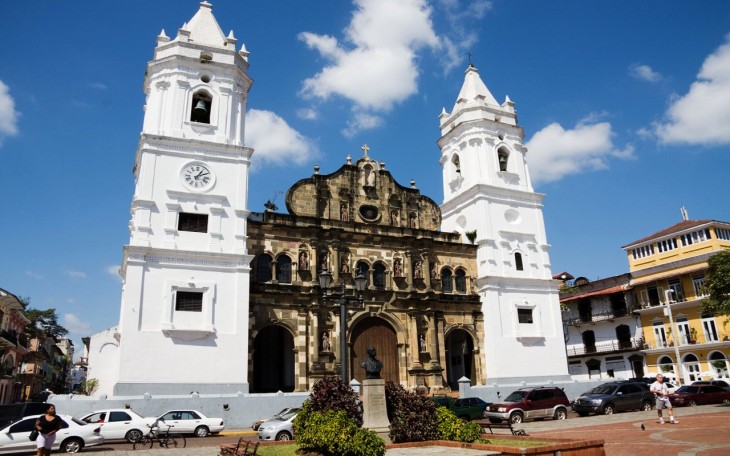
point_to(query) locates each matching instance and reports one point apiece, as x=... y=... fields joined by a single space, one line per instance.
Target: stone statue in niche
x=326 y=346
x=412 y=221
x=371 y=365
x=303 y=261
x=345 y=264
x=418 y=269
x=397 y=268
x=323 y=261
x=394 y=218
x=344 y=212
x=434 y=272
x=422 y=343
x=368 y=177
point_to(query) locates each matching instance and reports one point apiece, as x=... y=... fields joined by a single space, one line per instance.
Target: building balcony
x=596 y=317
x=614 y=346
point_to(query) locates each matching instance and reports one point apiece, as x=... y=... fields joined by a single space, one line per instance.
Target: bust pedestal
x=375 y=413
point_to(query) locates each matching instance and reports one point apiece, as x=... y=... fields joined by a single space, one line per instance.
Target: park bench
x=488 y=425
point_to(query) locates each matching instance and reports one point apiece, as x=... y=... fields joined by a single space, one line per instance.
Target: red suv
x=530 y=404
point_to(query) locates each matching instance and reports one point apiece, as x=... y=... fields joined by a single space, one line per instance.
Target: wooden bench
x=488 y=425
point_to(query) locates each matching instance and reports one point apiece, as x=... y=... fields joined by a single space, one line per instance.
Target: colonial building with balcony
x=13 y=345
x=603 y=336
x=668 y=273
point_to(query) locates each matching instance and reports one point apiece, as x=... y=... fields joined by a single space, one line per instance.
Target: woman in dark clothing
x=47 y=426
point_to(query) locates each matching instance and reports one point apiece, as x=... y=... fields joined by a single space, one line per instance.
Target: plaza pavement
x=702 y=431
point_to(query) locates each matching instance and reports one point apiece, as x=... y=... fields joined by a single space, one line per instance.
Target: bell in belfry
x=200 y=109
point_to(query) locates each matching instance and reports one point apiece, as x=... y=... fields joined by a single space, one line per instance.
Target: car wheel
x=608 y=409
x=582 y=413
x=283 y=435
x=133 y=435
x=646 y=406
x=726 y=401
x=692 y=403
x=495 y=420
x=515 y=418
x=72 y=446
x=201 y=431
x=560 y=414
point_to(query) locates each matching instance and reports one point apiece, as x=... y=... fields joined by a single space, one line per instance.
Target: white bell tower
x=185 y=298
x=487 y=189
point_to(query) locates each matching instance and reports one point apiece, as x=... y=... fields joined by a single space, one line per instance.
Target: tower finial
x=468 y=53
x=683 y=211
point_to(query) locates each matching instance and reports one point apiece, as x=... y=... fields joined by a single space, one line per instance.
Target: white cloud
x=75 y=274
x=380 y=45
x=702 y=115
x=114 y=271
x=361 y=121
x=645 y=73
x=274 y=141
x=98 y=86
x=308 y=114
x=8 y=114
x=555 y=152
x=33 y=275
x=76 y=326
x=463 y=38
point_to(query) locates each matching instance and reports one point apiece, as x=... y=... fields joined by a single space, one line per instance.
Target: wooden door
x=374 y=332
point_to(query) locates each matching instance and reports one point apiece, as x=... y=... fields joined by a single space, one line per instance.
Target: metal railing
x=606 y=347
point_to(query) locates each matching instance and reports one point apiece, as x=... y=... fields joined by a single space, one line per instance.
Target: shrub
x=331 y=393
x=334 y=433
x=412 y=417
x=451 y=427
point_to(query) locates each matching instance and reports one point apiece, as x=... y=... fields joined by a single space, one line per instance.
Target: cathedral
x=219 y=299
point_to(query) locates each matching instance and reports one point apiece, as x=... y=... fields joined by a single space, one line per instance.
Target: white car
x=190 y=422
x=120 y=424
x=72 y=438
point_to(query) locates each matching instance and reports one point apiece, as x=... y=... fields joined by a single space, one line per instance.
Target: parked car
x=13 y=412
x=74 y=435
x=279 y=429
x=699 y=395
x=257 y=424
x=614 y=397
x=190 y=422
x=120 y=424
x=721 y=383
x=530 y=404
x=468 y=408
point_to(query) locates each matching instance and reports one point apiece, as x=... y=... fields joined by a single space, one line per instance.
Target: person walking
x=47 y=426
x=661 y=392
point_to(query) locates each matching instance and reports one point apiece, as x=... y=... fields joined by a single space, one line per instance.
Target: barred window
x=446 y=282
x=461 y=281
x=189 y=301
x=283 y=269
x=263 y=268
x=379 y=275
x=524 y=316
x=197 y=223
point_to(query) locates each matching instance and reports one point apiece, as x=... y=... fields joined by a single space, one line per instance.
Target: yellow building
x=669 y=267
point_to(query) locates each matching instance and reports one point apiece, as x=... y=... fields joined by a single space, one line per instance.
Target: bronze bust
x=371 y=365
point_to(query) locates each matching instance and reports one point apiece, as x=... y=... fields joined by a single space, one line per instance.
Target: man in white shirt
x=661 y=392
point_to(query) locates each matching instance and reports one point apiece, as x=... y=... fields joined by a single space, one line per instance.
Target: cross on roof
x=365 y=150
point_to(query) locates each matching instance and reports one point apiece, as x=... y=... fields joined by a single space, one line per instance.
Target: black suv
x=614 y=397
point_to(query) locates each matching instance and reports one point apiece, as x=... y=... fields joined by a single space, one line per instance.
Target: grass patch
x=514 y=442
x=278 y=450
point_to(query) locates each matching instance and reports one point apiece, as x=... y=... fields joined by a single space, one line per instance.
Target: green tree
x=43 y=322
x=717 y=284
x=89 y=386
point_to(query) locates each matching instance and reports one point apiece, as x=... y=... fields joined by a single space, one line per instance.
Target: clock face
x=197 y=176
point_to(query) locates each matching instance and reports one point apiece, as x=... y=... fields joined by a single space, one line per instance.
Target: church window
x=283 y=269
x=188 y=301
x=457 y=166
x=460 y=281
x=524 y=316
x=518 y=262
x=197 y=223
x=363 y=268
x=263 y=268
x=503 y=157
x=200 y=108
x=379 y=275
x=446 y=282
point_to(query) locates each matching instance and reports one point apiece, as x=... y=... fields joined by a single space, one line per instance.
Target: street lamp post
x=339 y=297
x=675 y=330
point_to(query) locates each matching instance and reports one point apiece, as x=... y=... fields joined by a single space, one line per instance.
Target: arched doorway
x=459 y=358
x=718 y=365
x=691 y=368
x=273 y=360
x=374 y=332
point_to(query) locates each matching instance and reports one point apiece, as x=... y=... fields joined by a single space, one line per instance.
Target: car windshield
x=79 y=422
x=517 y=396
x=288 y=415
x=603 y=389
x=687 y=389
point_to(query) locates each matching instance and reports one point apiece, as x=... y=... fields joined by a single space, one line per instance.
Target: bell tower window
x=518 y=262
x=202 y=103
x=503 y=157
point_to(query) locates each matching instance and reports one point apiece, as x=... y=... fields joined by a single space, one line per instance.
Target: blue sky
x=625 y=107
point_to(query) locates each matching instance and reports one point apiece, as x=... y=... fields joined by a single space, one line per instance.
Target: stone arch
x=273 y=359
x=459 y=352
x=503 y=154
